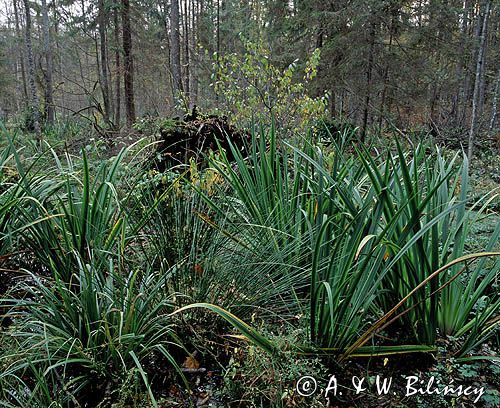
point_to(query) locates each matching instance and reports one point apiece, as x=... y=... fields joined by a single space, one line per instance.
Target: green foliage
x=79 y=221
x=327 y=128
x=375 y=229
x=190 y=237
x=407 y=222
x=8 y=198
x=94 y=331
x=264 y=210
x=151 y=126
x=334 y=245
x=89 y=315
x=252 y=88
x=261 y=380
x=428 y=198
x=179 y=241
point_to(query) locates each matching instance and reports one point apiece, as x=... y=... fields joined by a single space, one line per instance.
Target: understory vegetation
x=222 y=281
x=266 y=203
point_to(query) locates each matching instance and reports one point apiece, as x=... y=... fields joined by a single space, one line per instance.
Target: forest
x=262 y=203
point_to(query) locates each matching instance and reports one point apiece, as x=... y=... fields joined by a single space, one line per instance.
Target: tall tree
x=382 y=62
x=102 y=18
x=462 y=77
x=35 y=112
x=193 y=87
x=369 y=71
x=394 y=11
x=117 y=114
x=48 y=74
x=128 y=64
x=478 y=79
x=175 y=49
x=187 y=55
x=494 y=102
x=21 y=54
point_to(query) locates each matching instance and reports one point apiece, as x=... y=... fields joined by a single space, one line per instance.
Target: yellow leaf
x=191 y=362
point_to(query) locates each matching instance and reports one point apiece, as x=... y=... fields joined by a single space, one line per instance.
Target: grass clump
x=348 y=252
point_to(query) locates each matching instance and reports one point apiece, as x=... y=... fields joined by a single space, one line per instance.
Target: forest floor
x=231 y=374
x=225 y=372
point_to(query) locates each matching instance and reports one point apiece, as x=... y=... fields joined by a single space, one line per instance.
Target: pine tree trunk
x=217 y=34
x=469 y=82
x=460 y=75
x=482 y=77
x=128 y=64
x=478 y=81
x=35 y=113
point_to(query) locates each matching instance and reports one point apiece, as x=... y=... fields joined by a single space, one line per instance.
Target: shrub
x=252 y=88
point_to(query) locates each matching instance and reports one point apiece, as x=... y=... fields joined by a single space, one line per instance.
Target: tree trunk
x=47 y=46
x=218 y=27
x=369 y=70
x=187 y=60
x=101 y=23
x=469 y=82
x=386 y=75
x=128 y=68
x=117 y=116
x=35 y=114
x=460 y=75
x=494 y=103
x=21 y=55
x=194 y=61
x=478 y=81
x=482 y=82
x=175 y=51
x=217 y=34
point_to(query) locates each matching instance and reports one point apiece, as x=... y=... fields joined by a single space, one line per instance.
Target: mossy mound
x=192 y=137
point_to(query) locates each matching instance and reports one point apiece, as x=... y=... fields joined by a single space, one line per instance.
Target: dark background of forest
x=414 y=65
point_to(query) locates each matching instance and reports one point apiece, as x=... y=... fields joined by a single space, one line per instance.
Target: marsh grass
x=339 y=242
